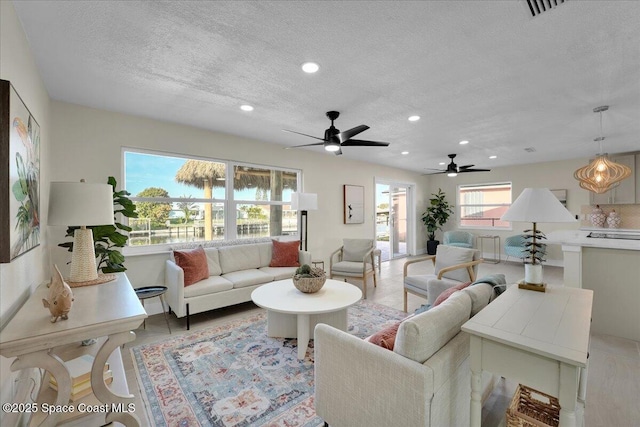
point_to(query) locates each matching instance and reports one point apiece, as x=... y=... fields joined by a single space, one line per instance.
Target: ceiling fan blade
x=348 y=134
x=466 y=166
x=474 y=170
x=304 y=145
x=434 y=173
x=304 y=134
x=363 y=143
x=439 y=170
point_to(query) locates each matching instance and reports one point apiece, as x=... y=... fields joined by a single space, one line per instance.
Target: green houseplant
x=107 y=238
x=436 y=215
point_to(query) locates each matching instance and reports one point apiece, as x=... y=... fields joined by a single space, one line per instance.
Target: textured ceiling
x=484 y=71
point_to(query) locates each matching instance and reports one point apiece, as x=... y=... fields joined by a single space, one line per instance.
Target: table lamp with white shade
x=81 y=204
x=536 y=205
x=304 y=202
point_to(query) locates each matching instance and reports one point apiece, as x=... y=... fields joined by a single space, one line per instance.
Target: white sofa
x=423 y=381
x=234 y=272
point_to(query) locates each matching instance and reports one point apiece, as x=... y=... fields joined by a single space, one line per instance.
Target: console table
x=110 y=310
x=540 y=339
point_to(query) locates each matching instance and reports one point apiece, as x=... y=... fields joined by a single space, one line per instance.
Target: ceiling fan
x=453 y=169
x=334 y=140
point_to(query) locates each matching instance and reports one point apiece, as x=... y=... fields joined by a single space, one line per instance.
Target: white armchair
x=453 y=265
x=354 y=259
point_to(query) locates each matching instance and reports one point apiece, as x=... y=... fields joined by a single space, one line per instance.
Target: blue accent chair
x=461 y=239
x=515 y=246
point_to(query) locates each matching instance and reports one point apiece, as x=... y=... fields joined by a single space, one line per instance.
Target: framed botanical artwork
x=353 y=204
x=19 y=176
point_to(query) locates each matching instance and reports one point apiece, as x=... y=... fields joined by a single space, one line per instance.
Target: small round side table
x=147 y=292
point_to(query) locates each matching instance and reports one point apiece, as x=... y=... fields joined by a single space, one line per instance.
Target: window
x=482 y=205
x=183 y=199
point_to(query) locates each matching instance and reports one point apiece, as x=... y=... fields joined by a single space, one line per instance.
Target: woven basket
x=309 y=285
x=532 y=408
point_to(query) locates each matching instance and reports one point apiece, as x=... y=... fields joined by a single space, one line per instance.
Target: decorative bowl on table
x=309 y=279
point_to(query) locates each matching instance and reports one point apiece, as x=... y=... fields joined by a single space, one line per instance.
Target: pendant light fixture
x=601 y=174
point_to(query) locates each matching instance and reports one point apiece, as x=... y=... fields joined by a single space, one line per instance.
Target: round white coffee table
x=294 y=314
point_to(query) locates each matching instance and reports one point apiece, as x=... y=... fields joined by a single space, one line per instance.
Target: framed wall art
x=353 y=204
x=561 y=195
x=19 y=176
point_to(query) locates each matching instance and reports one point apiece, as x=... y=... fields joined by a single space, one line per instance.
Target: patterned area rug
x=234 y=375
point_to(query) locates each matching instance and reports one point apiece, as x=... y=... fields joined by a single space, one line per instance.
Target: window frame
x=229 y=201
x=460 y=206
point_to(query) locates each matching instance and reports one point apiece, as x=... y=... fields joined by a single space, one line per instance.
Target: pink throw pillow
x=446 y=294
x=285 y=254
x=194 y=264
x=385 y=338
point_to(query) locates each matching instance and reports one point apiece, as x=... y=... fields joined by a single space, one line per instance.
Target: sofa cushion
x=238 y=258
x=213 y=261
x=355 y=249
x=208 y=286
x=279 y=273
x=244 y=278
x=422 y=335
x=194 y=264
x=481 y=294
x=447 y=256
x=284 y=254
x=447 y=293
x=349 y=267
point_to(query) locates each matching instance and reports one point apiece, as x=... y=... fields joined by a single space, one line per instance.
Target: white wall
x=88 y=145
x=553 y=175
x=22 y=275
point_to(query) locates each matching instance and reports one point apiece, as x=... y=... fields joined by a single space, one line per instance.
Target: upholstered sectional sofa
x=233 y=272
x=423 y=381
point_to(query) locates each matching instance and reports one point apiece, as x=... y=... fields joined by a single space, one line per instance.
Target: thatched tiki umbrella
x=207 y=175
x=203 y=175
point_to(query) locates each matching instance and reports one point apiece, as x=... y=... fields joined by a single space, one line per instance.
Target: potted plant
x=107 y=238
x=435 y=217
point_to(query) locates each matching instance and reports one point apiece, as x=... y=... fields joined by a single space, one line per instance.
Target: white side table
x=540 y=339
x=496 y=249
x=109 y=310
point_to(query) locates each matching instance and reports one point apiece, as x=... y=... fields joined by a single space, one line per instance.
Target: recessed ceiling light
x=442 y=163
x=310 y=67
x=464 y=142
x=414 y=118
x=404 y=153
x=493 y=157
x=246 y=107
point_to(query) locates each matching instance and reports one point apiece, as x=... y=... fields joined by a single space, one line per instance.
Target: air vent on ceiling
x=530 y=150
x=537 y=7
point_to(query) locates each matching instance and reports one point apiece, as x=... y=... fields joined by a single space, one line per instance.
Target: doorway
x=392 y=219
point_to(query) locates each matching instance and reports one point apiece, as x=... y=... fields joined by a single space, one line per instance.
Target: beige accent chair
x=354 y=259
x=453 y=265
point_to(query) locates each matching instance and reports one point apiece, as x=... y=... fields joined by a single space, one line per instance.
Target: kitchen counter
x=579 y=238
x=610 y=267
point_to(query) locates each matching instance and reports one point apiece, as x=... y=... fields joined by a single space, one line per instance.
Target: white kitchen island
x=611 y=268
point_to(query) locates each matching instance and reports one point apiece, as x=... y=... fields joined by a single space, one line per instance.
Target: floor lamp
x=304 y=202
x=81 y=204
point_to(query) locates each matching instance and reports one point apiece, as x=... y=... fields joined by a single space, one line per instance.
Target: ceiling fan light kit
x=601 y=174
x=334 y=140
